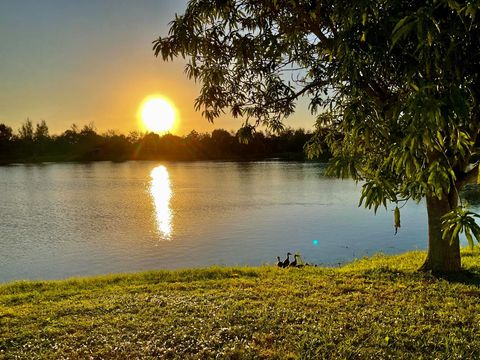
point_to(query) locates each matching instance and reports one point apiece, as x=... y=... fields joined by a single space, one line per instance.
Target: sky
x=66 y=62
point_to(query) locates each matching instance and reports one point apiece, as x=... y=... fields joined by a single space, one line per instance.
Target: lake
x=71 y=219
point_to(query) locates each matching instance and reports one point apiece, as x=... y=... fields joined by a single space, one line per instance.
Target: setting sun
x=157 y=114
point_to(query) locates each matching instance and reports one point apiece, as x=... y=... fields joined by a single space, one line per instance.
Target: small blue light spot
x=315 y=242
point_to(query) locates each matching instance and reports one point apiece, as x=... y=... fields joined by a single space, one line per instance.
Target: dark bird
x=286 y=262
x=280 y=262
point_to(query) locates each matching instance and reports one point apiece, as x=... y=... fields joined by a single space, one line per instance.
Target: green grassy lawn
x=375 y=308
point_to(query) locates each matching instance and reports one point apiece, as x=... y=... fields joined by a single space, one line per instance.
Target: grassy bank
x=376 y=308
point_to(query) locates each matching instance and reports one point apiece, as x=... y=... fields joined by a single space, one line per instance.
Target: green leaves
x=313 y=147
x=460 y=221
x=245 y=133
x=376 y=194
x=396 y=219
x=471 y=10
x=343 y=168
x=402 y=29
x=438 y=179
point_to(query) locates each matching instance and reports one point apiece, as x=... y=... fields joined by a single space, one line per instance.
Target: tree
x=395 y=83
x=222 y=141
x=70 y=136
x=25 y=136
x=6 y=133
x=6 y=137
x=26 y=131
x=41 y=138
x=41 y=131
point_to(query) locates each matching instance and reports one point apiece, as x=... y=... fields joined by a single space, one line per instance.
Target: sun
x=158 y=114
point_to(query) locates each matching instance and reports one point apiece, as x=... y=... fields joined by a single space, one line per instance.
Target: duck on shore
x=297 y=261
x=284 y=263
x=279 y=262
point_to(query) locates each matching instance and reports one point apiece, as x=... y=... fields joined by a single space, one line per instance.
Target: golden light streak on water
x=161 y=192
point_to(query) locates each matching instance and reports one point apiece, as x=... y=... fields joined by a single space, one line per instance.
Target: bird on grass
x=297 y=261
x=280 y=262
x=284 y=263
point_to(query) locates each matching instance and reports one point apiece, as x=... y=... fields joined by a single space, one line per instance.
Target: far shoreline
x=68 y=159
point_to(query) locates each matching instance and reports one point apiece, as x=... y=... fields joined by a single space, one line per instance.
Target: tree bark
x=443 y=255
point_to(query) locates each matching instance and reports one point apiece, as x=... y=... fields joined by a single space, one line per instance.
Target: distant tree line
x=34 y=143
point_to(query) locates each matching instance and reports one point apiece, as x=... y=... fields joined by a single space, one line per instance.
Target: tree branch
x=468 y=177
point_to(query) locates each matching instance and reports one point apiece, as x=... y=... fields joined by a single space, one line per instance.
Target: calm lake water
x=63 y=220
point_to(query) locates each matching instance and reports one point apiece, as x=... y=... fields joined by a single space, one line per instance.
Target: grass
x=374 y=308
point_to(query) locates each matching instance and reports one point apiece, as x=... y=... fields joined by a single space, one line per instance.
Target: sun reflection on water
x=161 y=192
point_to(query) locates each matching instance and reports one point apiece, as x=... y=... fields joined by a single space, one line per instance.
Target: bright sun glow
x=157 y=114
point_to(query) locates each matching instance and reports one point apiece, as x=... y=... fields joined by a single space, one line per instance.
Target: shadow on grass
x=469 y=254
x=466 y=277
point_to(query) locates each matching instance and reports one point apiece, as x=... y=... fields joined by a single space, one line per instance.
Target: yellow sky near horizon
x=89 y=62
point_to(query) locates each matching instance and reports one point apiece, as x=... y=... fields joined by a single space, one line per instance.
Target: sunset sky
x=91 y=61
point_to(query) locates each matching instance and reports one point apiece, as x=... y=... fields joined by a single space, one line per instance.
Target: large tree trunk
x=443 y=255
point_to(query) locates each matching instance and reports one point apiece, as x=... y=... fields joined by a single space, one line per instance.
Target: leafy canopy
x=396 y=83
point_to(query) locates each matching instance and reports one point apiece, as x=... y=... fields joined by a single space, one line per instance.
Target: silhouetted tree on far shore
x=35 y=143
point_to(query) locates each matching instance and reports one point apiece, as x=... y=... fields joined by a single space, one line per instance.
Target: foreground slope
x=374 y=308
